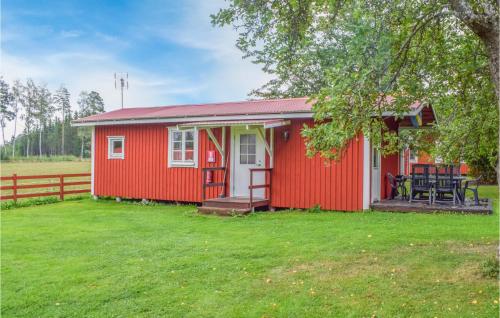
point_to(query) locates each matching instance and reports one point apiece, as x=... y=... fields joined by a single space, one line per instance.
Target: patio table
x=456 y=179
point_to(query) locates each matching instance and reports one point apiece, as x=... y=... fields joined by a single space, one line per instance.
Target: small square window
x=116 y=147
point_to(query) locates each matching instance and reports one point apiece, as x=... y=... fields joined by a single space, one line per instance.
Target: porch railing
x=213 y=184
x=266 y=185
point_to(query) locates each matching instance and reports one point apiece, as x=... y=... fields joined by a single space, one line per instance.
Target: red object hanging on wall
x=211 y=156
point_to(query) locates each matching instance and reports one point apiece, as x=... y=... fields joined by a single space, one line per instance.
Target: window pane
x=189 y=136
x=189 y=145
x=177 y=136
x=251 y=159
x=177 y=155
x=251 y=149
x=189 y=155
x=243 y=139
x=177 y=145
x=117 y=146
x=243 y=149
x=251 y=139
x=243 y=159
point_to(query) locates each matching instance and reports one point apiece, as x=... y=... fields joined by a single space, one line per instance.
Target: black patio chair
x=394 y=186
x=420 y=182
x=400 y=179
x=445 y=184
x=475 y=185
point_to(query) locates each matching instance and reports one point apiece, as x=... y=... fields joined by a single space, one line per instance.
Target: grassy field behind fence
x=44 y=168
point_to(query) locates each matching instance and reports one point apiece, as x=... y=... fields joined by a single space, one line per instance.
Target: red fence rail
x=61 y=184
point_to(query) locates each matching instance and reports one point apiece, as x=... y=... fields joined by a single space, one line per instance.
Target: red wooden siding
x=144 y=172
x=388 y=164
x=302 y=182
x=297 y=181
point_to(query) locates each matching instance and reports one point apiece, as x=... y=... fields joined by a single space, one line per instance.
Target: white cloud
x=233 y=77
x=82 y=66
x=80 y=71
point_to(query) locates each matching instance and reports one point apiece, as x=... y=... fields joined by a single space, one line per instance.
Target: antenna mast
x=123 y=82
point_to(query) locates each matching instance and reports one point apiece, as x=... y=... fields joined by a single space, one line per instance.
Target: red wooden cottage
x=236 y=155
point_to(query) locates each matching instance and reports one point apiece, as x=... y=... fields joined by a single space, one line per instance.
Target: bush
x=41 y=159
x=482 y=167
x=490 y=268
x=4 y=155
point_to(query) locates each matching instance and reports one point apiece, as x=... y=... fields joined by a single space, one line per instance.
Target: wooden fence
x=61 y=184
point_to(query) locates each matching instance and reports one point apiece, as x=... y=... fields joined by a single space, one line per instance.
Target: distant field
x=37 y=168
x=24 y=168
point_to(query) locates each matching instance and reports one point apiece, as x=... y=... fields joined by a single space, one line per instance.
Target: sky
x=169 y=48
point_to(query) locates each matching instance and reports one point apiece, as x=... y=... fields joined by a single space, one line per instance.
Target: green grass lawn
x=106 y=259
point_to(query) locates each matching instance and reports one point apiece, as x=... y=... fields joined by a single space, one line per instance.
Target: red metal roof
x=182 y=113
x=256 y=107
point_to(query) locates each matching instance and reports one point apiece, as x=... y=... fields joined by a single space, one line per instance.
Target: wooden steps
x=231 y=205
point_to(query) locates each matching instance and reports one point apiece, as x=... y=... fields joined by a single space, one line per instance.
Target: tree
x=6 y=113
x=349 y=55
x=62 y=104
x=18 y=95
x=43 y=112
x=89 y=104
x=30 y=100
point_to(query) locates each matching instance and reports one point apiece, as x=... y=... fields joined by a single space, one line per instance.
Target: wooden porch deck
x=231 y=205
x=397 y=205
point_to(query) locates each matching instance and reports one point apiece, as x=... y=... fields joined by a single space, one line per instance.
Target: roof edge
x=133 y=121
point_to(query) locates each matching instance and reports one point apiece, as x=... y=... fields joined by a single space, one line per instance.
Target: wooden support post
x=224 y=151
x=14 y=187
x=251 y=190
x=271 y=146
x=204 y=185
x=61 y=187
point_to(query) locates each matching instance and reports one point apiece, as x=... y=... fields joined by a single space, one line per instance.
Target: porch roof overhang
x=422 y=115
x=269 y=123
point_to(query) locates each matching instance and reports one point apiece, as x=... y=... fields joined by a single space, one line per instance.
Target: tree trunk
x=81 y=150
x=14 y=138
x=3 y=134
x=40 y=144
x=484 y=23
x=28 y=146
x=3 y=137
x=62 y=139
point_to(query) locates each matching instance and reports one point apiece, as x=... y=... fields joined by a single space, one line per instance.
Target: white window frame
x=111 y=154
x=415 y=157
x=182 y=163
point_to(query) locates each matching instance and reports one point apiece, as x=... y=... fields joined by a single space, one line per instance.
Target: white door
x=375 y=174
x=248 y=152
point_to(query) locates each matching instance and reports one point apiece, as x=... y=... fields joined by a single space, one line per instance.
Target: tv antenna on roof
x=123 y=82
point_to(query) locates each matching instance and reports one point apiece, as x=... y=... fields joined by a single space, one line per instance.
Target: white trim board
x=366 y=173
x=92 y=163
x=189 y=119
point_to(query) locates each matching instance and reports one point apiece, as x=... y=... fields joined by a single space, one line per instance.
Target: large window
x=183 y=148
x=116 y=147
